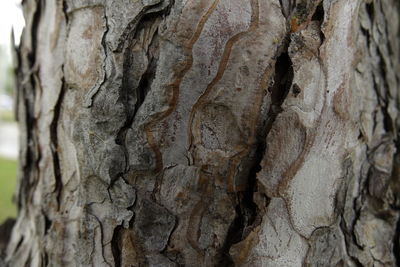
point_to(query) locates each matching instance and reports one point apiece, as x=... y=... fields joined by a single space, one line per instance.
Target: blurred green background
x=8 y=134
x=8 y=172
x=10 y=16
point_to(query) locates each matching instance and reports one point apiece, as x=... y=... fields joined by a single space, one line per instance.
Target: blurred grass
x=8 y=173
x=7 y=116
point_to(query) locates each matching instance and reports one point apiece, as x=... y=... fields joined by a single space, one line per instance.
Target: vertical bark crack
x=115 y=246
x=282 y=83
x=89 y=97
x=396 y=242
x=5 y=234
x=396 y=205
x=133 y=94
x=54 y=131
x=134 y=97
x=54 y=142
x=26 y=87
x=247 y=211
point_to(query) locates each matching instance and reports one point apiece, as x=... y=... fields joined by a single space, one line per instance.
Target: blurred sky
x=10 y=16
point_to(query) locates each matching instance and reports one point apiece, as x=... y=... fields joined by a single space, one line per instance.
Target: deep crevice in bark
x=140 y=92
x=350 y=239
x=115 y=246
x=5 y=234
x=396 y=242
x=370 y=10
x=26 y=179
x=395 y=205
x=281 y=85
x=383 y=101
x=319 y=13
x=247 y=211
x=26 y=98
x=282 y=82
x=47 y=222
x=357 y=213
x=129 y=33
x=145 y=84
x=347 y=241
x=287 y=7
x=34 y=33
x=380 y=71
x=46 y=259
x=19 y=244
x=55 y=149
x=54 y=143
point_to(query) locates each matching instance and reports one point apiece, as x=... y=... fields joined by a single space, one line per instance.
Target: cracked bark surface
x=208 y=133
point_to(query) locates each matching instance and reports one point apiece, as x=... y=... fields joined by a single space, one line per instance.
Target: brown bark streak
x=174 y=86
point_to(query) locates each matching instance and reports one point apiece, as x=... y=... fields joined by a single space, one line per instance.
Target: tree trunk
x=208 y=133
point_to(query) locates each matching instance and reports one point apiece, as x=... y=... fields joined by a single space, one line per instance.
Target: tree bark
x=208 y=133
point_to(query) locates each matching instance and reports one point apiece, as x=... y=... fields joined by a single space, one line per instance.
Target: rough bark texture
x=208 y=133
